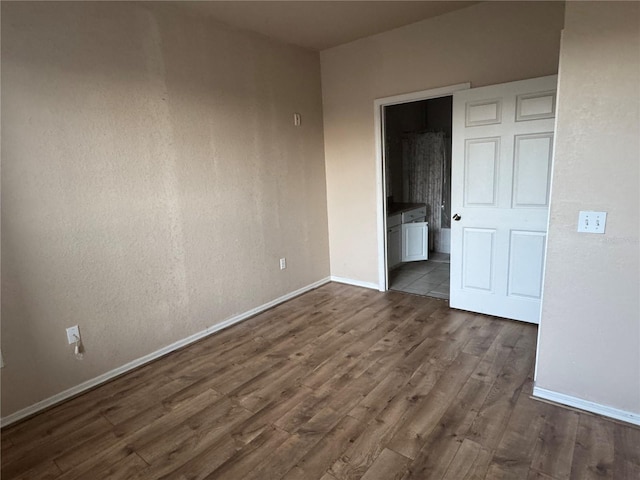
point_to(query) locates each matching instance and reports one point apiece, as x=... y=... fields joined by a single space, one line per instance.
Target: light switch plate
x=592 y=222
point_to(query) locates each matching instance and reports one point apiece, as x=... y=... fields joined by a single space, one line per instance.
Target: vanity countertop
x=395 y=208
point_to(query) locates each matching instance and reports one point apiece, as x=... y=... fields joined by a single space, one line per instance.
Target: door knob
x=457 y=217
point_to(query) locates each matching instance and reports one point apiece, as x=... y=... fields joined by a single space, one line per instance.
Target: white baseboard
x=586 y=405
x=356 y=283
x=84 y=386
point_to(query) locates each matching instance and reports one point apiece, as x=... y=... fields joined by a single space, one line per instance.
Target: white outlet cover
x=72 y=334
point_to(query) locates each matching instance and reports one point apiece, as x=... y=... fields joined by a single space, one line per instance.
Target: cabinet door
x=415 y=244
x=394 y=245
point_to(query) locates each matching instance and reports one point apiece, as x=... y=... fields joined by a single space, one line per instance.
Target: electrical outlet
x=283 y=263
x=592 y=222
x=73 y=334
x=297 y=119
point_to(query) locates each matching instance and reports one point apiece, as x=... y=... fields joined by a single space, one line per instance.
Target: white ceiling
x=318 y=25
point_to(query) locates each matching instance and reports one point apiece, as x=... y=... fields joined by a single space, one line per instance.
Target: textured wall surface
x=488 y=43
x=590 y=330
x=151 y=179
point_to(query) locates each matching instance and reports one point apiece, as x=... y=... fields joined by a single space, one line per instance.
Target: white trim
x=380 y=183
x=586 y=405
x=356 y=283
x=546 y=243
x=84 y=386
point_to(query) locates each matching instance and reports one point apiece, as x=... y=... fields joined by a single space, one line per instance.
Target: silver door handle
x=457 y=217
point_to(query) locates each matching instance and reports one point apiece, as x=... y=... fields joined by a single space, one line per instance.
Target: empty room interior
x=320 y=240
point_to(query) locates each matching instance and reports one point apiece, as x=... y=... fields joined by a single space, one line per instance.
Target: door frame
x=381 y=184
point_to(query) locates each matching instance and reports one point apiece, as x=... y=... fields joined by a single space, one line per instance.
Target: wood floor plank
x=350 y=391
x=42 y=471
x=47 y=452
x=359 y=456
x=240 y=463
x=536 y=475
x=484 y=335
x=354 y=350
x=623 y=468
x=269 y=414
x=89 y=468
x=626 y=442
x=440 y=446
x=555 y=443
x=393 y=412
x=329 y=448
x=341 y=383
x=489 y=426
x=328 y=476
x=299 y=444
x=463 y=461
x=301 y=413
x=498 y=353
x=122 y=470
x=199 y=464
x=593 y=455
x=134 y=434
x=409 y=439
x=48 y=434
x=195 y=433
x=388 y=466
x=133 y=405
x=261 y=390
x=514 y=454
x=479 y=466
x=383 y=392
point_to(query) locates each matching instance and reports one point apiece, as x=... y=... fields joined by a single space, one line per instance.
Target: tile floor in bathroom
x=429 y=277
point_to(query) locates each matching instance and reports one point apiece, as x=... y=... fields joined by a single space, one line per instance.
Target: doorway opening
x=417 y=182
x=379 y=106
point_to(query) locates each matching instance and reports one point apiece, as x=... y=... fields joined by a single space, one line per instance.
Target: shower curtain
x=423 y=173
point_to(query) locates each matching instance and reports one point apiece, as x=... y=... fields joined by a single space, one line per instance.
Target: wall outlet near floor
x=592 y=222
x=73 y=334
x=283 y=263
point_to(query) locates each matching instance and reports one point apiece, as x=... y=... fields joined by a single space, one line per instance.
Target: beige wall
x=151 y=180
x=485 y=44
x=590 y=331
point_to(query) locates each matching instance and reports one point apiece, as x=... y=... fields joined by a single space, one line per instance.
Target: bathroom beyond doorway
x=417 y=150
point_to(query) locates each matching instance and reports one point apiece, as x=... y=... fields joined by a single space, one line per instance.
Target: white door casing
x=378 y=119
x=501 y=169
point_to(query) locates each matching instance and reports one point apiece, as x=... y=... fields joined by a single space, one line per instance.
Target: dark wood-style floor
x=339 y=383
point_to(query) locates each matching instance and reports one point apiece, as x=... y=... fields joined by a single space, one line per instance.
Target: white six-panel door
x=501 y=169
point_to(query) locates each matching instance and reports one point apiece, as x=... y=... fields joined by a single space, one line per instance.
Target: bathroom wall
x=399 y=119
